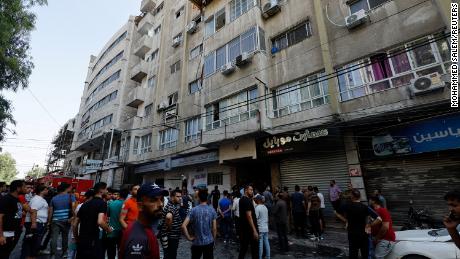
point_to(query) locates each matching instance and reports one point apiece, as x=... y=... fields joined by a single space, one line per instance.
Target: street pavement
x=334 y=245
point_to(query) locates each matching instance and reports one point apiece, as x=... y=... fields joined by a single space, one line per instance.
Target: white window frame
x=212 y=54
x=192 y=129
x=231 y=111
x=175 y=67
x=210 y=24
x=298 y=95
x=368 y=5
x=146 y=144
x=196 y=51
x=168 y=138
x=238 y=4
x=368 y=81
x=136 y=143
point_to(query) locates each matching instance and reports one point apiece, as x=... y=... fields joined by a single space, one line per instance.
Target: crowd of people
x=146 y=220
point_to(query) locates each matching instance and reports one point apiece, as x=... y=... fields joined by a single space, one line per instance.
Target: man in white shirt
x=262 y=223
x=236 y=211
x=322 y=207
x=35 y=223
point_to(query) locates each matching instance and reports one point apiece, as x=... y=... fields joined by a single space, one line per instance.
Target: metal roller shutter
x=423 y=178
x=316 y=169
x=118 y=178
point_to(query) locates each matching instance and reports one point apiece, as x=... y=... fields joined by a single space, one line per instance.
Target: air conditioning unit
x=228 y=68
x=426 y=84
x=243 y=59
x=271 y=8
x=163 y=105
x=176 y=42
x=191 y=27
x=356 y=19
x=170 y=114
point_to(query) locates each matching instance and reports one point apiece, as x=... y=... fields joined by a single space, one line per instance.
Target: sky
x=67 y=32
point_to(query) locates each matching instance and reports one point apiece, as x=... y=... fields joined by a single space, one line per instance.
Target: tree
x=7 y=168
x=36 y=172
x=16 y=23
x=62 y=143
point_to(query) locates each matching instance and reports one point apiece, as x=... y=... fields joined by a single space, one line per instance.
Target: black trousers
x=171 y=251
x=206 y=251
x=299 y=223
x=111 y=245
x=315 y=222
x=6 y=249
x=245 y=241
x=281 y=230
x=358 y=242
x=87 y=249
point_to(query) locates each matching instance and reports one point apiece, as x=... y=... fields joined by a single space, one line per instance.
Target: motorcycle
x=420 y=219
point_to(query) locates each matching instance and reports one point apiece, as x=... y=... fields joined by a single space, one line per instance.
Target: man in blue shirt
x=60 y=213
x=299 y=211
x=225 y=211
x=204 y=225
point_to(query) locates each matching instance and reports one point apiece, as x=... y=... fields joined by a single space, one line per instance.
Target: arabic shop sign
x=436 y=134
x=93 y=165
x=289 y=142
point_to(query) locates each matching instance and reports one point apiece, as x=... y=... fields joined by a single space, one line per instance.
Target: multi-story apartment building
x=286 y=92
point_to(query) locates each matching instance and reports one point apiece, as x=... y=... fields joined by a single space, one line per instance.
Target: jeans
x=246 y=240
x=383 y=248
x=31 y=245
x=57 y=227
x=171 y=251
x=263 y=243
x=357 y=242
x=226 y=227
x=207 y=251
x=281 y=230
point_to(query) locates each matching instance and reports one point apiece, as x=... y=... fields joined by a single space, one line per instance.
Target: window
x=365 y=4
x=113 y=45
x=239 y=7
x=214 y=23
x=194 y=86
x=102 y=85
x=108 y=98
x=195 y=52
x=178 y=37
x=159 y=8
x=197 y=19
x=172 y=99
x=152 y=82
x=146 y=143
x=215 y=178
x=192 y=129
x=179 y=12
x=168 y=138
x=381 y=72
x=157 y=30
x=293 y=36
x=175 y=67
x=304 y=94
x=148 y=110
x=233 y=109
x=136 y=145
x=246 y=42
x=109 y=64
x=154 y=55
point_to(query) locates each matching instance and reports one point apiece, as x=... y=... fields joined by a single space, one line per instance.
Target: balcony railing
x=139 y=71
x=145 y=24
x=136 y=97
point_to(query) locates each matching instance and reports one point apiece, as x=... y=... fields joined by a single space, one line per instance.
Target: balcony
x=139 y=71
x=136 y=97
x=145 y=24
x=142 y=46
x=201 y=3
x=147 y=5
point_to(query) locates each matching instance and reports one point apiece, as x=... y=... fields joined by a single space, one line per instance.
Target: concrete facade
x=157 y=97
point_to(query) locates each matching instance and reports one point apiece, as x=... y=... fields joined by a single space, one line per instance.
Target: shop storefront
x=309 y=157
x=416 y=163
x=196 y=170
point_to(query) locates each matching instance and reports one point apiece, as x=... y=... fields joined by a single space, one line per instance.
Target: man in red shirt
x=139 y=241
x=382 y=231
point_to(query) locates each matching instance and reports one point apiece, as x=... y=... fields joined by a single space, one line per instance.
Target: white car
x=423 y=244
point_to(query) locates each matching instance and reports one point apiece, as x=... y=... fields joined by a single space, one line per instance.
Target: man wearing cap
x=138 y=240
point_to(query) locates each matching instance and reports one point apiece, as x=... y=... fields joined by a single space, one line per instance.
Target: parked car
x=423 y=244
